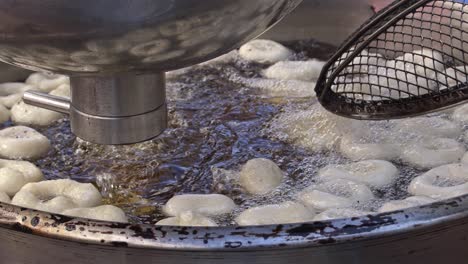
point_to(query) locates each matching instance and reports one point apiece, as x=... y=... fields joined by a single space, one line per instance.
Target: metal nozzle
x=122 y=109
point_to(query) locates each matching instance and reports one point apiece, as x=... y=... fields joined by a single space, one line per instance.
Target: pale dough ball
x=458 y=13
x=412 y=201
x=375 y=140
x=10 y=100
x=465 y=136
x=453 y=76
x=15 y=174
x=20 y=142
x=360 y=149
x=24 y=114
x=348 y=53
x=4 y=198
x=57 y=196
x=47 y=82
x=11 y=181
x=30 y=171
x=4 y=114
x=205 y=204
x=260 y=176
x=54 y=205
x=278 y=88
x=103 y=213
x=461 y=114
x=264 y=51
x=314 y=129
x=404 y=77
x=335 y=193
x=62 y=91
x=424 y=59
x=415 y=73
x=12 y=93
x=429 y=126
x=365 y=87
x=366 y=63
x=187 y=219
x=432 y=152
x=374 y=173
x=442 y=182
x=339 y=213
x=384 y=85
x=295 y=70
x=14 y=88
x=464 y=159
x=284 y=213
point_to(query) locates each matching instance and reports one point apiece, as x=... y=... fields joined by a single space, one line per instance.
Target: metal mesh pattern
x=409 y=59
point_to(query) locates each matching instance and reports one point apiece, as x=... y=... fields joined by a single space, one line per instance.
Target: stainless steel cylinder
x=118 y=109
x=118 y=95
x=325 y=21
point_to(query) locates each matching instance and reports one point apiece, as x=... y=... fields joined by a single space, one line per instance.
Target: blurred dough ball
x=264 y=51
x=260 y=176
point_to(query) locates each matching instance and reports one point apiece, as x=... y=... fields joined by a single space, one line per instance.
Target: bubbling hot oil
x=215 y=126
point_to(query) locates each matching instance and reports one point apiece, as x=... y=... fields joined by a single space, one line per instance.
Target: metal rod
x=47 y=101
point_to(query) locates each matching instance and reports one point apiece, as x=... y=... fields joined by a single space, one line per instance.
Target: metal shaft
x=47 y=101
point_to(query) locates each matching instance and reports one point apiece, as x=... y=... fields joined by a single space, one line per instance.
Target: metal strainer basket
x=408 y=59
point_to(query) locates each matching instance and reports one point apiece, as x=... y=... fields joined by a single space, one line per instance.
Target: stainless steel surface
x=326 y=21
x=95 y=41
x=92 y=37
x=44 y=100
x=118 y=95
x=118 y=129
x=430 y=234
x=118 y=109
x=10 y=73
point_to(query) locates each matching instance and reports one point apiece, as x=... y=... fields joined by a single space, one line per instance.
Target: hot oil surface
x=215 y=125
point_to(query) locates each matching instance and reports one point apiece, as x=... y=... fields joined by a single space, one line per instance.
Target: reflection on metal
x=95 y=41
x=103 y=37
x=118 y=109
x=434 y=233
x=44 y=100
x=10 y=73
x=329 y=21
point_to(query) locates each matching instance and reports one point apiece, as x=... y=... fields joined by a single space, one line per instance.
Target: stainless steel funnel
x=116 y=53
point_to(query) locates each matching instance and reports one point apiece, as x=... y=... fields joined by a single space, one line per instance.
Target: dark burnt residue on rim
x=282 y=236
